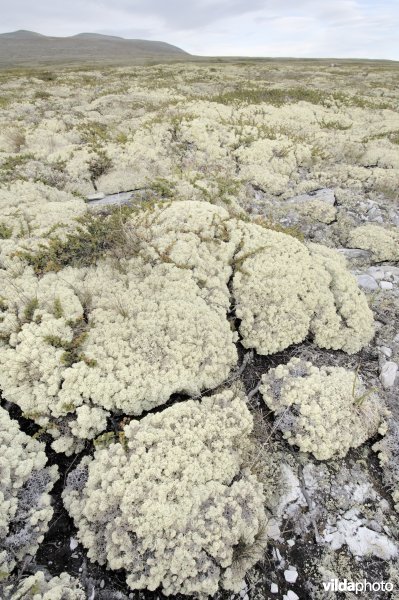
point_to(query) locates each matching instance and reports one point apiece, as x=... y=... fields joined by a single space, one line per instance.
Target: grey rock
x=376 y=273
x=388 y=374
x=374 y=214
x=386 y=351
x=325 y=195
x=96 y=196
x=367 y=282
x=353 y=253
x=112 y=199
x=386 y=285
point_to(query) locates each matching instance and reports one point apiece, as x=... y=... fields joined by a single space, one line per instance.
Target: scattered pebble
x=73 y=544
x=367 y=282
x=291 y=575
x=386 y=351
x=290 y=595
x=291 y=543
x=377 y=274
x=274 y=588
x=388 y=374
x=386 y=285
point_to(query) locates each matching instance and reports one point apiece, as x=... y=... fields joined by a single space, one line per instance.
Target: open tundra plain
x=199 y=331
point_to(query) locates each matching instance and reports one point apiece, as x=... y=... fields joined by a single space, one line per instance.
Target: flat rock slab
x=96 y=196
x=354 y=253
x=325 y=195
x=367 y=282
x=117 y=199
x=110 y=200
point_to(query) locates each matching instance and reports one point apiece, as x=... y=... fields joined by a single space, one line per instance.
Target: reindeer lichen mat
x=198 y=376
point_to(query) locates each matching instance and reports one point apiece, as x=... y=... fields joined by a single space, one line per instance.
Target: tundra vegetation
x=199 y=383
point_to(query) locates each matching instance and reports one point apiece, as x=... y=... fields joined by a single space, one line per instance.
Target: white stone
x=361 y=540
x=386 y=351
x=73 y=544
x=386 y=285
x=273 y=529
x=274 y=588
x=291 y=575
x=243 y=591
x=376 y=273
x=367 y=282
x=291 y=543
x=290 y=595
x=388 y=374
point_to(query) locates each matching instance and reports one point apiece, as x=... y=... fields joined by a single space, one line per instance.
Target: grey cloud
x=183 y=14
x=173 y=14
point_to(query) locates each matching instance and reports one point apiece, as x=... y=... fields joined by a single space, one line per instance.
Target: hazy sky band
x=303 y=28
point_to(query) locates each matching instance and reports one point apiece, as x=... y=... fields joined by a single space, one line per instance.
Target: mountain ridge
x=24 y=48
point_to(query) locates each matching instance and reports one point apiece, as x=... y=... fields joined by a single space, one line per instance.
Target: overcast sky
x=320 y=28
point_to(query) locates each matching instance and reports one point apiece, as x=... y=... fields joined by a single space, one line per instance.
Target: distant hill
x=21 y=34
x=28 y=48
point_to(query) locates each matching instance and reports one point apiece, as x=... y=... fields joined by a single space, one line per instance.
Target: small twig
x=248 y=357
x=256 y=389
x=355 y=380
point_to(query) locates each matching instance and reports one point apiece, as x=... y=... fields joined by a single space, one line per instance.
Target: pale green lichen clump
x=171 y=504
x=105 y=315
x=343 y=319
x=32 y=209
x=126 y=335
x=285 y=289
x=81 y=342
x=25 y=483
x=381 y=242
x=149 y=336
x=324 y=411
x=40 y=587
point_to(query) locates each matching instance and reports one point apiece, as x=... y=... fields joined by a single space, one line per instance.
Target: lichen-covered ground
x=111 y=316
